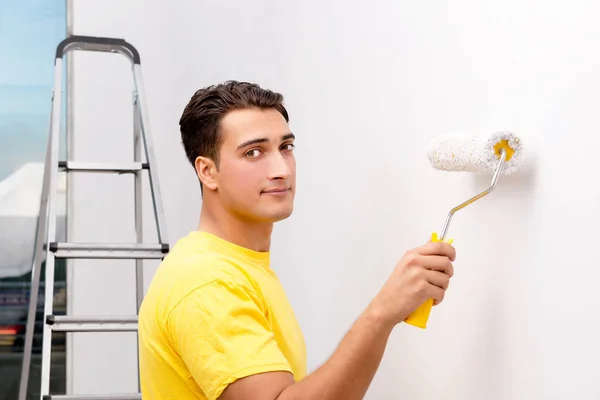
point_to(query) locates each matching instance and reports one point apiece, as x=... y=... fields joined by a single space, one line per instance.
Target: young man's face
x=256 y=179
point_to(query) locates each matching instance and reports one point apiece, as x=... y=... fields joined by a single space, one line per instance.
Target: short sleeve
x=221 y=332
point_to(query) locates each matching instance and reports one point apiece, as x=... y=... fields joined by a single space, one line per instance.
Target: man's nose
x=278 y=167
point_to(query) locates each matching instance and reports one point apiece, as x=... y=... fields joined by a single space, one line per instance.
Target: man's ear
x=206 y=171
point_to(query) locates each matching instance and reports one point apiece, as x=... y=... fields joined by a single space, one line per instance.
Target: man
x=216 y=323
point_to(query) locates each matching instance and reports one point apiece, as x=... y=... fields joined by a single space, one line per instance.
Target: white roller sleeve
x=471 y=152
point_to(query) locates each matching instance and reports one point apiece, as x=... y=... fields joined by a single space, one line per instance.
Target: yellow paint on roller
x=420 y=316
x=503 y=145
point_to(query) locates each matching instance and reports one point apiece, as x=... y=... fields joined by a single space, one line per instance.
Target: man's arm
x=421 y=274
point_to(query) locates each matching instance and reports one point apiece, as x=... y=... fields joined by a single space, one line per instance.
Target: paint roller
x=500 y=152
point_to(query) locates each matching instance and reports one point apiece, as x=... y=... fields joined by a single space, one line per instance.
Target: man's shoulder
x=202 y=268
x=208 y=284
x=181 y=280
x=184 y=273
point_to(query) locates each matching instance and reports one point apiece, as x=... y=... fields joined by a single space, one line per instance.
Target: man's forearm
x=350 y=370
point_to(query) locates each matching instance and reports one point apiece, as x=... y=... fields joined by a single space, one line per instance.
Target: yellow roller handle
x=420 y=316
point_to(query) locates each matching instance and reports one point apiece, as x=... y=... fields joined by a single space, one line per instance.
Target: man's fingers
x=439 y=279
x=437 y=294
x=437 y=249
x=438 y=263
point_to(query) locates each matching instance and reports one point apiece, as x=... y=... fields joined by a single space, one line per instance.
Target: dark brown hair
x=200 y=122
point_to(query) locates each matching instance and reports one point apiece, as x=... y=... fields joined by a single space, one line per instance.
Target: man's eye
x=253 y=153
x=289 y=146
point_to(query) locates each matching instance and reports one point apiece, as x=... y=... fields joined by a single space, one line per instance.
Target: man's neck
x=255 y=237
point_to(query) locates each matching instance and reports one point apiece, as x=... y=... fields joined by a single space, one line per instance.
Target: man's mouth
x=277 y=191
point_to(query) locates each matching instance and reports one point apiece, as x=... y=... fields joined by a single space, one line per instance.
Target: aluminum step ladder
x=48 y=248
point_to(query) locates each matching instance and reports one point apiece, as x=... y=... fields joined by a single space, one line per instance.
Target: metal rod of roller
x=474 y=198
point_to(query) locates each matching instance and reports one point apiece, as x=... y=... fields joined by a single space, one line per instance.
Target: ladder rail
x=144 y=120
x=137 y=193
x=46 y=241
x=52 y=221
x=40 y=236
x=139 y=229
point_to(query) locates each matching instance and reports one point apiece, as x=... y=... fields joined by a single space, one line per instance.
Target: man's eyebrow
x=250 y=142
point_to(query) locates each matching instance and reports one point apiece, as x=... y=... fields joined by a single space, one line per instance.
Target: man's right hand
x=422 y=273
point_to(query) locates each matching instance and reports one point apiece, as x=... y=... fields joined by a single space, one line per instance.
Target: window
x=30 y=30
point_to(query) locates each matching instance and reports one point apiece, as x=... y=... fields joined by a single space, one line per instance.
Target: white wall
x=367 y=87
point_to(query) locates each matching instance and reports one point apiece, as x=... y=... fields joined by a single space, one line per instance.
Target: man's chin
x=279 y=215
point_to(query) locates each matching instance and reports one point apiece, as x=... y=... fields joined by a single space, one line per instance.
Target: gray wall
x=367 y=87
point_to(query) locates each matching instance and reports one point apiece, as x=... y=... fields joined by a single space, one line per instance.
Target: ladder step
x=122 y=167
x=131 y=396
x=109 y=250
x=92 y=323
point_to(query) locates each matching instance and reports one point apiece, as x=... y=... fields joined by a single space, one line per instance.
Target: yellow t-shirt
x=215 y=312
